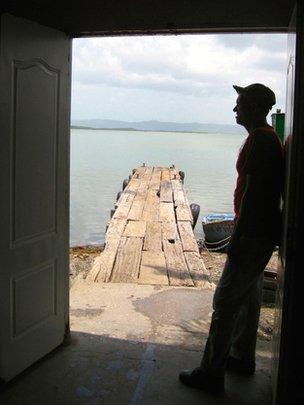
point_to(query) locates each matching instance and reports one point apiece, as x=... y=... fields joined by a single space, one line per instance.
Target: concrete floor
x=129 y=343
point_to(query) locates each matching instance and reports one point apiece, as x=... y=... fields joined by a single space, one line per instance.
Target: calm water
x=101 y=160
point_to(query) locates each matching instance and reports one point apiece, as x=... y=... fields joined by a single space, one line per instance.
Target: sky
x=186 y=78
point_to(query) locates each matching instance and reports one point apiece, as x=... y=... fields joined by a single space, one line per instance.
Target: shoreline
x=149 y=130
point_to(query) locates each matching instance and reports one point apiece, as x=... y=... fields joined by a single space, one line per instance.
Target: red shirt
x=241 y=178
x=260 y=155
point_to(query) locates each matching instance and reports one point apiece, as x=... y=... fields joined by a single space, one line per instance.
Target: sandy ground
x=82 y=258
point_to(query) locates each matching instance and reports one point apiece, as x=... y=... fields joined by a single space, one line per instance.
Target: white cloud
x=155 y=77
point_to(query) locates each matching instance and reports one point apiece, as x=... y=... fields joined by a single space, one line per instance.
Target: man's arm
x=256 y=187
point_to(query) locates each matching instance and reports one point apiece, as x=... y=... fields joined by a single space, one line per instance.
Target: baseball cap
x=260 y=93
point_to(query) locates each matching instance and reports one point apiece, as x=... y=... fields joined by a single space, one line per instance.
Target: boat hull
x=217 y=234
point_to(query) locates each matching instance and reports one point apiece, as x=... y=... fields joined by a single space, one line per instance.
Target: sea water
x=102 y=159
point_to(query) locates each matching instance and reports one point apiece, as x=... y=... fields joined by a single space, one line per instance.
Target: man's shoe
x=240 y=366
x=202 y=381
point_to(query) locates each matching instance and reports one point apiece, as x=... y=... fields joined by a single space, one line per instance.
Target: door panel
x=35 y=145
x=34 y=156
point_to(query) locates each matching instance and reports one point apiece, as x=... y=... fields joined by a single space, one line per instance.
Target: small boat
x=217 y=229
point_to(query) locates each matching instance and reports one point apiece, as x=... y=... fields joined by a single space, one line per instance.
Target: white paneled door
x=34 y=179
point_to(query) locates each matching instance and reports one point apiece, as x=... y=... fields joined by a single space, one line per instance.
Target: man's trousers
x=236 y=305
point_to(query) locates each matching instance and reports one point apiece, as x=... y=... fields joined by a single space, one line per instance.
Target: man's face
x=243 y=110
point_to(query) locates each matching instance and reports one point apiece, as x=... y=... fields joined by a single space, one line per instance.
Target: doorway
x=148 y=301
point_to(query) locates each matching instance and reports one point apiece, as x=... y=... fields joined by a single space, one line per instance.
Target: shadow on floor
x=98 y=369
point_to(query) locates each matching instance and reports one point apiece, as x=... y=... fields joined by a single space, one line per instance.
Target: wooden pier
x=149 y=239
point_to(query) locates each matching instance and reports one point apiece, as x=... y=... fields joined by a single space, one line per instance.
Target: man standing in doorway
x=237 y=300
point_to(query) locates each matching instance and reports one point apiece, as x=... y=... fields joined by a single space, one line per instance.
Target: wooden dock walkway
x=149 y=239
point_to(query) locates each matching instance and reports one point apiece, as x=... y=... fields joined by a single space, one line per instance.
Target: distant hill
x=158 y=126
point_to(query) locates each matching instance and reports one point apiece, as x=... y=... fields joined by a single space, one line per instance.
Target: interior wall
x=101 y=17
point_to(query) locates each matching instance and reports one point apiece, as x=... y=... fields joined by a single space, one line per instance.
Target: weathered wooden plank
x=155 y=179
x=103 y=265
x=176 y=264
x=129 y=192
x=140 y=172
x=135 y=229
x=176 y=185
x=166 y=191
x=153 y=238
x=126 y=268
x=165 y=174
x=151 y=207
x=153 y=269
x=115 y=229
x=174 y=174
x=166 y=212
x=148 y=174
x=123 y=205
x=132 y=185
x=197 y=269
x=187 y=237
x=127 y=195
x=179 y=195
x=136 y=210
x=169 y=231
x=135 y=213
x=179 y=198
x=123 y=208
x=183 y=213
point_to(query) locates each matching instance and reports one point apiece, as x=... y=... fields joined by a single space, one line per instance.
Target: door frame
x=293 y=279
x=290 y=373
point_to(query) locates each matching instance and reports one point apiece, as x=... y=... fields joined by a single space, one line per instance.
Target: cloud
x=199 y=67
